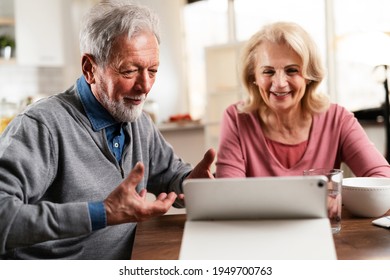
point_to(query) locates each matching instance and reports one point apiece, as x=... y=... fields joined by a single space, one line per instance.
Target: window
x=207 y=23
x=352 y=43
x=361 y=43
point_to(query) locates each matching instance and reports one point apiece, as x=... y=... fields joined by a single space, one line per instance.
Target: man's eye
x=152 y=72
x=129 y=72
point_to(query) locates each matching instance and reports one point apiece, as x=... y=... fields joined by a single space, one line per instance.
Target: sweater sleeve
x=230 y=158
x=358 y=152
x=27 y=169
x=166 y=170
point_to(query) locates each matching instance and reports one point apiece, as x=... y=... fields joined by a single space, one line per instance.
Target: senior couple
x=75 y=167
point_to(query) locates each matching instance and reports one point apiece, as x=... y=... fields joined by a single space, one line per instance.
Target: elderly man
x=75 y=167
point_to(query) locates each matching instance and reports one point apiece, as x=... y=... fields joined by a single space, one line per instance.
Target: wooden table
x=160 y=239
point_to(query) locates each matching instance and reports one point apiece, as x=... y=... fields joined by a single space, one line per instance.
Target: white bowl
x=366 y=196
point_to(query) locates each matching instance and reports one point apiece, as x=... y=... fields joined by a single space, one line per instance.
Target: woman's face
x=278 y=75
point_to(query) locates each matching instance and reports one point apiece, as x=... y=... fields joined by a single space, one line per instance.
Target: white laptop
x=273 y=218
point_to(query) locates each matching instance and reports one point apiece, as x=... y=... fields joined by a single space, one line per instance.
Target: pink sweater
x=335 y=137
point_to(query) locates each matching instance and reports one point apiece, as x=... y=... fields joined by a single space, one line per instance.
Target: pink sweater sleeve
x=358 y=152
x=230 y=159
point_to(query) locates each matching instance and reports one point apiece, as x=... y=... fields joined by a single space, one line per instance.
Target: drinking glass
x=335 y=179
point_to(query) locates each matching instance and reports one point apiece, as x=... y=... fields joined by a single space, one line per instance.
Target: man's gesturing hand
x=125 y=205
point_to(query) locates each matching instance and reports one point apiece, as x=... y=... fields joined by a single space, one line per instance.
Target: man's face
x=122 y=86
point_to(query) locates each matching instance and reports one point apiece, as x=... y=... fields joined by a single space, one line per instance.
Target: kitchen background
x=200 y=46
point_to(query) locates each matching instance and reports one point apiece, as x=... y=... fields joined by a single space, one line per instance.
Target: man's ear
x=88 y=67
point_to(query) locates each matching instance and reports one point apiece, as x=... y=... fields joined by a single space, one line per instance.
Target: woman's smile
x=280 y=94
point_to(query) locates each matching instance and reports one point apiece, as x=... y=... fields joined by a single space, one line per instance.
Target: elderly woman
x=286 y=126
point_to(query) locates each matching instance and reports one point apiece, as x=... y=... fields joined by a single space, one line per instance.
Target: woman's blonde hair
x=300 y=41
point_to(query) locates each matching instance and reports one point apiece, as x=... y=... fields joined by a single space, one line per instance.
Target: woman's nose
x=280 y=79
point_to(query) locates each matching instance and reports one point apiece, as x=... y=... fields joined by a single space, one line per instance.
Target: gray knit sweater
x=52 y=164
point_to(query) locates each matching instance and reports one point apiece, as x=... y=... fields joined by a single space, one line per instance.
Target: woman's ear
x=88 y=66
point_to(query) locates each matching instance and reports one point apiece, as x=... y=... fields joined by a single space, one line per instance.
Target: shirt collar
x=99 y=117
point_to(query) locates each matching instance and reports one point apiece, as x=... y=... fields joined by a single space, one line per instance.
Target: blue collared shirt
x=101 y=119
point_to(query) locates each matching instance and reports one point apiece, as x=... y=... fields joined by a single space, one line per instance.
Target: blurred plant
x=6 y=40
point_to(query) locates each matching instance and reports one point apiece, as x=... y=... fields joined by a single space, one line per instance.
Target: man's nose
x=144 y=82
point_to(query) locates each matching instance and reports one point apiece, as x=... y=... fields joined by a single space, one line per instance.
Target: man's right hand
x=124 y=204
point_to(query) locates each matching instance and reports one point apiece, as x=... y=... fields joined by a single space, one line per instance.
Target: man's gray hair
x=110 y=19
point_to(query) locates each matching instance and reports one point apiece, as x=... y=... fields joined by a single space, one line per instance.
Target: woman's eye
x=292 y=71
x=268 y=72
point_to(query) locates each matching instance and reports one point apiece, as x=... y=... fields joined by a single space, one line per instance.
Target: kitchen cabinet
x=187 y=140
x=40 y=31
x=6 y=13
x=223 y=86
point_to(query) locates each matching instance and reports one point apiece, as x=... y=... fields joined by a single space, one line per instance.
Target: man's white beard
x=120 y=111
